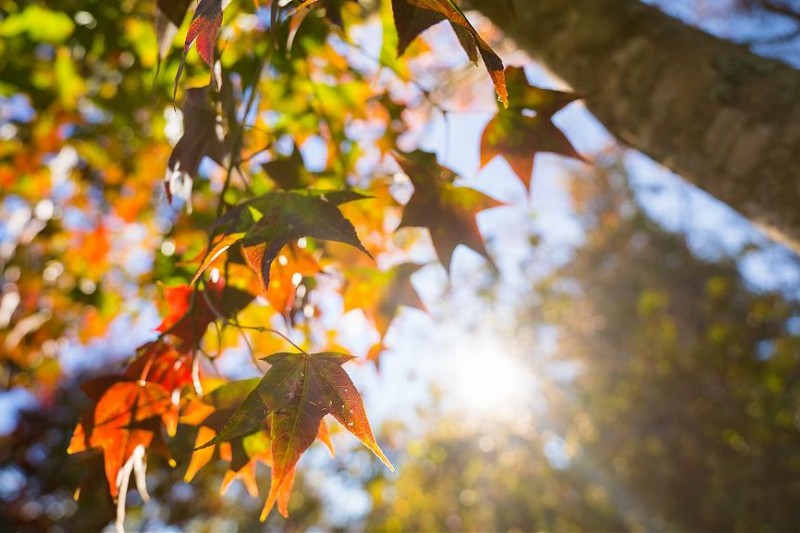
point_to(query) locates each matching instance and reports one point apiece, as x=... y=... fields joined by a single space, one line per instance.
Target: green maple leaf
x=518 y=137
x=447 y=210
x=412 y=17
x=296 y=393
x=264 y=225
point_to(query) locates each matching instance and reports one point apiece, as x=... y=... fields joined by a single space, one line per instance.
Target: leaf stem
x=238 y=135
x=260 y=329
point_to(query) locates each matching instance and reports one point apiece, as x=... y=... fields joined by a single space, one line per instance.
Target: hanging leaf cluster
x=271 y=164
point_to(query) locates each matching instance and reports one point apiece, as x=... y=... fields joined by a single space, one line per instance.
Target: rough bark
x=721 y=117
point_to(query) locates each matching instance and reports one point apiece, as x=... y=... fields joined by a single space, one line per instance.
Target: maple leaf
x=412 y=17
x=523 y=95
x=124 y=416
x=202 y=137
x=187 y=317
x=264 y=225
x=159 y=362
x=518 y=137
x=201 y=457
x=251 y=450
x=203 y=31
x=191 y=310
x=292 y=265
x=243 y=461
x=324 y=436
x=296 y=394
x=447 y=210
x=380 y=294
x=288 y=172
x=210 y=415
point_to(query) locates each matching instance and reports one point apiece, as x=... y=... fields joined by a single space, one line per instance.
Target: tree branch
x=723 y=118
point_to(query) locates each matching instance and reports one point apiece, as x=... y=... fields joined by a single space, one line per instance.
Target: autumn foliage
x=256 y=235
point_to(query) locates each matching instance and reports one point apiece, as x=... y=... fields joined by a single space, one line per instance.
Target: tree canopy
x=250 y=172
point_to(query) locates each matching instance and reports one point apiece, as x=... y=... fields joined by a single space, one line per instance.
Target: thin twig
x=262 y=329
x=234 y=323
x=239 y=134
x=426 y=93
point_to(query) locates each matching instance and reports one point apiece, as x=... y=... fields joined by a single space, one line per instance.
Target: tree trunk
x=721 y=117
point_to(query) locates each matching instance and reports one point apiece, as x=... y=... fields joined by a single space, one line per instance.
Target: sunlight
x=489 y=378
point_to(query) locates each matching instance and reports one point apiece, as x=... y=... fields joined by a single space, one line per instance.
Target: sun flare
x=489 y=377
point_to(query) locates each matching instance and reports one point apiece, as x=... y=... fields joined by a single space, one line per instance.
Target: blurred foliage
x=682 y=412
x=38 y=481
x=121 y=156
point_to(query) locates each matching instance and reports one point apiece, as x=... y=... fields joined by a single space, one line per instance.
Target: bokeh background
x=633 y=365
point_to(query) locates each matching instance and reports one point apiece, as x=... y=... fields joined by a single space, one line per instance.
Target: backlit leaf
x=296 y=393
x=379 y=295
x=517 y=136
x=447 y=210
x=270 y=222
x=202 y=456
x=125 y=416
x=203 y=32
x=191 y=310
x=161 y=363
x=412 y=17
x=291 y=266
x=202 y=137
x=523 y=95
x=216 y=250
